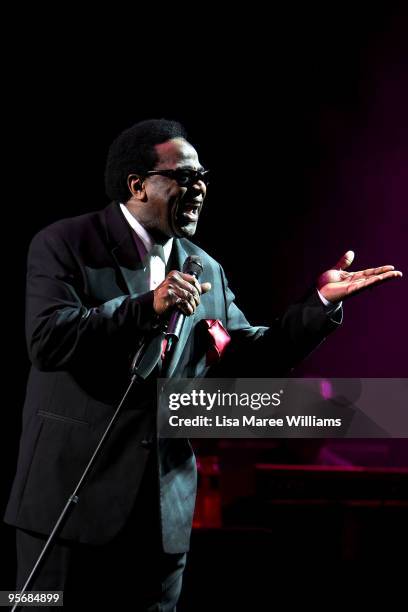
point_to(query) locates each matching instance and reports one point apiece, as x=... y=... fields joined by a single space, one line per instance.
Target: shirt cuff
x=330 y=307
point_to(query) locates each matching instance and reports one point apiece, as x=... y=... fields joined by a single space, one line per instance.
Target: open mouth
x=190 y=211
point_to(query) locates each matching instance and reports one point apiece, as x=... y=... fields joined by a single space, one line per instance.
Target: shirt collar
x=144 y=235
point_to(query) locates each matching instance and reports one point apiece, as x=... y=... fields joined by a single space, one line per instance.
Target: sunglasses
x=185 y=177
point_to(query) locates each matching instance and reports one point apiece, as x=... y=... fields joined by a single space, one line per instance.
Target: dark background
x=301 y=114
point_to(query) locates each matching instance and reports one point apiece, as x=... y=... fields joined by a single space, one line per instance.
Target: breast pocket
x=46 y=414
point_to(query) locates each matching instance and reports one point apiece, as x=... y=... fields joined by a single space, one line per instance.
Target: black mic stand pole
x=143 y=364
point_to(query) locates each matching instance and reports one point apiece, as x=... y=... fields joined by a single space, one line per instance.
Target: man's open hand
x=181 y=290
x=337 y=284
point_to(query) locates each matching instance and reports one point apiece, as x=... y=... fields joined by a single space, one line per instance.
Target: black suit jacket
x=88 y=306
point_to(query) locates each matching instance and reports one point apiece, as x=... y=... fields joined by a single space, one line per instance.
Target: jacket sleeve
x=265 y=351
x=61 y=330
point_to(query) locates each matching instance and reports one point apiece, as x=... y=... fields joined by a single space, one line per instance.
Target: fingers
x=181 y=290
x=386 y=276
x=188 y=283
x=201 y=288
x=371 y=272
x=345 y=261
x=363 y=283
x=182 y=299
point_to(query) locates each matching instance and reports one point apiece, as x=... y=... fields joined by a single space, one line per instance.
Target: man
x=98 y=285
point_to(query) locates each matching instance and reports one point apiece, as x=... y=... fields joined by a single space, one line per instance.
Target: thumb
x=345 y=261
x=205 y=287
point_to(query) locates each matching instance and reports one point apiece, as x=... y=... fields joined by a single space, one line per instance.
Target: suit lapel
x=134 y=270
x=135 y=273
x=179 y=258
x=123 y=247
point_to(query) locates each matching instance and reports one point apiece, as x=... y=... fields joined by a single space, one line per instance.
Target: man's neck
x=149 y=238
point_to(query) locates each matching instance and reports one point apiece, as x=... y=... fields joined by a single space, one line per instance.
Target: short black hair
x=133 y=152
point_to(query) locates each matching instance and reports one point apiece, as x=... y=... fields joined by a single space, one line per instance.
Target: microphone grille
x=193 y=266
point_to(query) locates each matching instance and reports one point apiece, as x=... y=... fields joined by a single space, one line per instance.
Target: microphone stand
x=143 y=364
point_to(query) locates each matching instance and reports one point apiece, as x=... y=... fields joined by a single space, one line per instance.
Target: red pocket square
x=220 y=339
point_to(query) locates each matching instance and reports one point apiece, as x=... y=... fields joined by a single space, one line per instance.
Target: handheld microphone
x=194 y=267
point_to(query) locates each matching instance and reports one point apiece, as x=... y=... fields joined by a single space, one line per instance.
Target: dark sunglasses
x=184 y=176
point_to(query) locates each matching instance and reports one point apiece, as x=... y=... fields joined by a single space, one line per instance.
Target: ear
x=136 y=186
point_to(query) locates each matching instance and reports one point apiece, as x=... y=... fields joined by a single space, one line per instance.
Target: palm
x=337 y=284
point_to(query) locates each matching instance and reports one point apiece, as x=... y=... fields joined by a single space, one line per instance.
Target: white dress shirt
x=146 y=245
x=330 y=306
